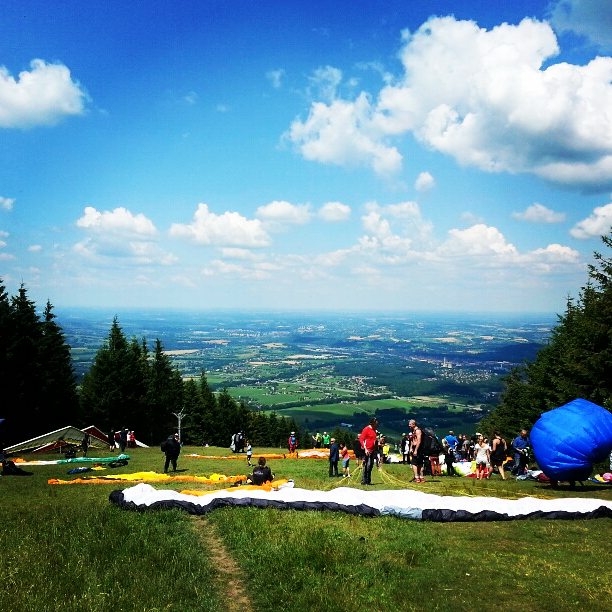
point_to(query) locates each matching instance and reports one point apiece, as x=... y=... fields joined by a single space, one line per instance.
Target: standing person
x=520 y=444
x=249 y=452
x=123 y=439
x=452 y=440
x=405 y=449
x=367 y=438
x=449 y=459
x=417 y=451
x=344 y=453
x=316 y=440
x=172 y=449
x=498 y=454
x=358 y=450
x=334 y=457
x=483 y=458
x=325 y=440
x=111 y=441
x=85 y=444
x=132 y=439
x=292 y=443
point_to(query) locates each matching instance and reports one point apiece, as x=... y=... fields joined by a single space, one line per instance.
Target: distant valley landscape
x=329 y=370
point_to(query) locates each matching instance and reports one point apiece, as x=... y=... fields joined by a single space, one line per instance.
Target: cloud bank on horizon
x=449 y=162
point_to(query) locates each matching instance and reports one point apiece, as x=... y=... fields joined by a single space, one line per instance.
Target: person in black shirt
x=261 y=473
x=172 y=449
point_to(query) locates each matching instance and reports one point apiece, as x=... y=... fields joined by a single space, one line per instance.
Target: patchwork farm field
x=69 y=548
x=325 y=370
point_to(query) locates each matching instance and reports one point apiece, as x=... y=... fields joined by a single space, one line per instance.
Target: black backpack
x=430 y=445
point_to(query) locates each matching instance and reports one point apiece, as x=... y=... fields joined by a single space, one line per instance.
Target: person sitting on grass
x=261 y=473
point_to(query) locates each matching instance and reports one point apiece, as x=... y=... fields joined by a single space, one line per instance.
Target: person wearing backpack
x=292 y=443
x=418 y=456
x=172 y=449
x=499 y=450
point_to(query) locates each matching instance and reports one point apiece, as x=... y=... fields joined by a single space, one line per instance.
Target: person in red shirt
x=367 y=439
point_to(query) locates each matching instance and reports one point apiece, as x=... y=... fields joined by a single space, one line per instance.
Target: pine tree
x=193 y=428
x=36 y=375
x=164 y=396
x=210 y=413
x=108 y=390
x=25 y=369
x=58 y=380
x=575 y=363
x=5 y=375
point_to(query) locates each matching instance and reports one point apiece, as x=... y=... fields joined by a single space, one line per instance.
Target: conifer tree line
x=576 y=362
x=128 y=385
x=36 y=377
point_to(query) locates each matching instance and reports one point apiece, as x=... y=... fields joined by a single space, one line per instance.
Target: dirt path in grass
x=229 y=576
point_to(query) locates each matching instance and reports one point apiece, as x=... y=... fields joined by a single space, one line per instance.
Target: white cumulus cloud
x=598 y=223
x=282 y=212
x=493 y=99
x=118 y=221
x=334 y=211
x=6 y=203
x=41 y=96
x=343 y=133
x=424 y=182
x=227 y=229
x=480 y=240
x=538 y=213
x=590 y=18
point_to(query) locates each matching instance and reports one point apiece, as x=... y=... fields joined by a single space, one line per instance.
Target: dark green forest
x=576 y=362
x=130 y=385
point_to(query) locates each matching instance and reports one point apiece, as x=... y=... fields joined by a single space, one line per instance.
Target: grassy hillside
x=67 y=547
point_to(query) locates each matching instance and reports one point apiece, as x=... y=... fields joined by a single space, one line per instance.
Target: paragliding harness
x=430 y=445
x=237 y=443
x=292 y=443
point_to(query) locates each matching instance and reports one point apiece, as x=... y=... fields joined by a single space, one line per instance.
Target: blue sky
x=422 y=155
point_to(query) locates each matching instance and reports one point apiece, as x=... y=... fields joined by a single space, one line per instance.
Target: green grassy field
x=67 y=547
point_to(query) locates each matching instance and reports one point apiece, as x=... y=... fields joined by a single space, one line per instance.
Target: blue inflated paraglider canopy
x=568 y=440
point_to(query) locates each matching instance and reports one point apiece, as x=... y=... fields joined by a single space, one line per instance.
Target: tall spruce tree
x=58 y=380
x=576 y=362
x=128 y=387
x=164 y=396
x=113 y=383
x=25 y=368
x=36 y=375
x=193 y=426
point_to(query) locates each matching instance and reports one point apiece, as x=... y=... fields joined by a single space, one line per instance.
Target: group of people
x=321 y=440
x=370 y=448
x=423 y=455
x=338 y=451
x=122 y=438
